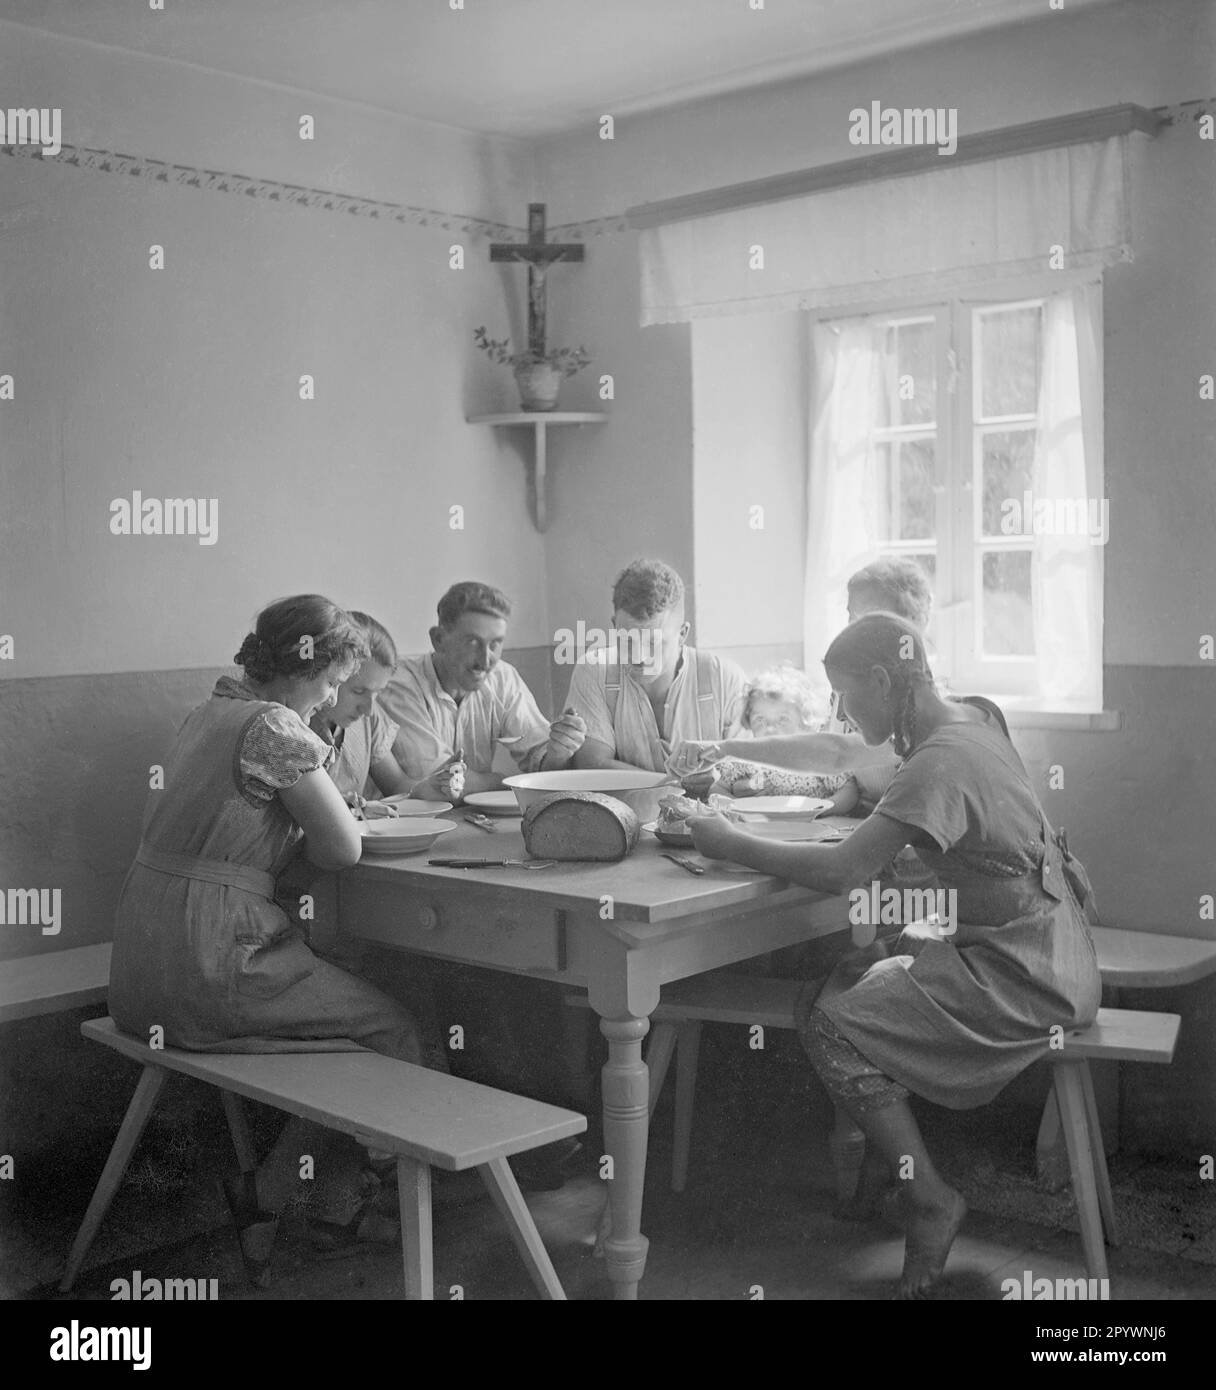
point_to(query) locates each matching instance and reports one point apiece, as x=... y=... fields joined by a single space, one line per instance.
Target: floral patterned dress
x=200 y=947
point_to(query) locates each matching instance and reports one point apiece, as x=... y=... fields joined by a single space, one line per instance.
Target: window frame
x=958 y=465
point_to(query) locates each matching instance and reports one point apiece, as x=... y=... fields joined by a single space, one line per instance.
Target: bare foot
x=930 y=1234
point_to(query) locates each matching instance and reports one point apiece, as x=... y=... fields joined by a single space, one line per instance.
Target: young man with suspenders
x=648 y=690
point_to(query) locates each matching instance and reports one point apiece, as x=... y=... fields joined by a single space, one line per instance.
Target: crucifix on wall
x=539 y=255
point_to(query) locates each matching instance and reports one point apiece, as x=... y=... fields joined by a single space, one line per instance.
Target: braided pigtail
x=890 y=643
x=903 y=724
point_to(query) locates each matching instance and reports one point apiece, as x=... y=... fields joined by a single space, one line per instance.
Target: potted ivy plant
x=538 y=375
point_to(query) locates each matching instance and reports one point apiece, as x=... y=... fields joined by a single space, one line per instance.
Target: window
x=951 y=434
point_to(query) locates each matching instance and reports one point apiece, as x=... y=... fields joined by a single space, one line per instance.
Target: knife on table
x=489 y=863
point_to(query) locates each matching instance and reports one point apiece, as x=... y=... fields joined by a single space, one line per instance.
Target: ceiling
x=525 y=68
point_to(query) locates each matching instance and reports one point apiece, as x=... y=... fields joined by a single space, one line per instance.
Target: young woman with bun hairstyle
x=201 y=949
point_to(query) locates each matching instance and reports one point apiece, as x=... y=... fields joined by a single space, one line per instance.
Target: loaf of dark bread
x=580 y=825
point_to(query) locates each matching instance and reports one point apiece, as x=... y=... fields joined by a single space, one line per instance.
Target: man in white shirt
x=462 y=700
x=647 y=690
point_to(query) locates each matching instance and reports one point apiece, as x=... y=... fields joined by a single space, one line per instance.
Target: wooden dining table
x=621 y=931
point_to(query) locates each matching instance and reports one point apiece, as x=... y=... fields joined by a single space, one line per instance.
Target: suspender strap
x=708 y=721
x=709 y=724
x=165 y=861
x=612 y=688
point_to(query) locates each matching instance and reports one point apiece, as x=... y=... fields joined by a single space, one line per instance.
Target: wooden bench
x=1126 y=960
x=1117 y=1035
x=423 y=1117
x=1149 y=960
x=54 y=982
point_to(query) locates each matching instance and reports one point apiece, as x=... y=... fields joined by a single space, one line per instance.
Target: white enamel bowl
x=409 y=835
x=639 y=790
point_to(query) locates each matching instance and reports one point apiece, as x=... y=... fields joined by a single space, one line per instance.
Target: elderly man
x=647 y=690
x=460 y=701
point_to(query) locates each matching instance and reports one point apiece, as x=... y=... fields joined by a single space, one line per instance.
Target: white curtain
x=1067 y=569
x=933 y=234
x=844 y=497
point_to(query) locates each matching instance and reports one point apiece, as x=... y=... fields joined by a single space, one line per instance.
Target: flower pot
x=538 y=384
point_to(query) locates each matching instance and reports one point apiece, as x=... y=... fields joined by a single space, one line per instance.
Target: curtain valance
x=922 y=236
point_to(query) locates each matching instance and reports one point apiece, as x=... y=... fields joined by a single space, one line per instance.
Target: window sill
x=1021 y=713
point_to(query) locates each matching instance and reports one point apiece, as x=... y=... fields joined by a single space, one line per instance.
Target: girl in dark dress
x=954 y=1013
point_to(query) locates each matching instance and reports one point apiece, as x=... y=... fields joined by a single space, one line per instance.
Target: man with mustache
x=462 y=700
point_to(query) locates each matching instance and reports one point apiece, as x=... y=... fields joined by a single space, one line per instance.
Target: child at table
x=779 y=701
x=363 y=734
x=358 y=729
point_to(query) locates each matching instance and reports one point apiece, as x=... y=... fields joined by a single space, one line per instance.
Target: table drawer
x=459 y=922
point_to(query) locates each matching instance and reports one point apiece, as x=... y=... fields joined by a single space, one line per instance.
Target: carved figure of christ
x=539 y=255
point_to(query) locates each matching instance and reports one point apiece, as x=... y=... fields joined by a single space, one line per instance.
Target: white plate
x=394 y=836
x=408 y=806
x=783 y=807
x=494 y=803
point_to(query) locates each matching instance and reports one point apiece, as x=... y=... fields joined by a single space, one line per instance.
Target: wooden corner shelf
x=539 y=420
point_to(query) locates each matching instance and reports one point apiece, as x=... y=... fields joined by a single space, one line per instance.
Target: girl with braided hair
x=952 y=1014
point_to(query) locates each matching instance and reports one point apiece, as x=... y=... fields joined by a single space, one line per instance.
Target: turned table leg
x=626 y=1090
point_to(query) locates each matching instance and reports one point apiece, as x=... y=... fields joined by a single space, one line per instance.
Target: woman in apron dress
x=957 y=1010
x=201 y=949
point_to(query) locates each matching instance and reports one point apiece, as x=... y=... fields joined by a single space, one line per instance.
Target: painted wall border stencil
x=270 y=190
